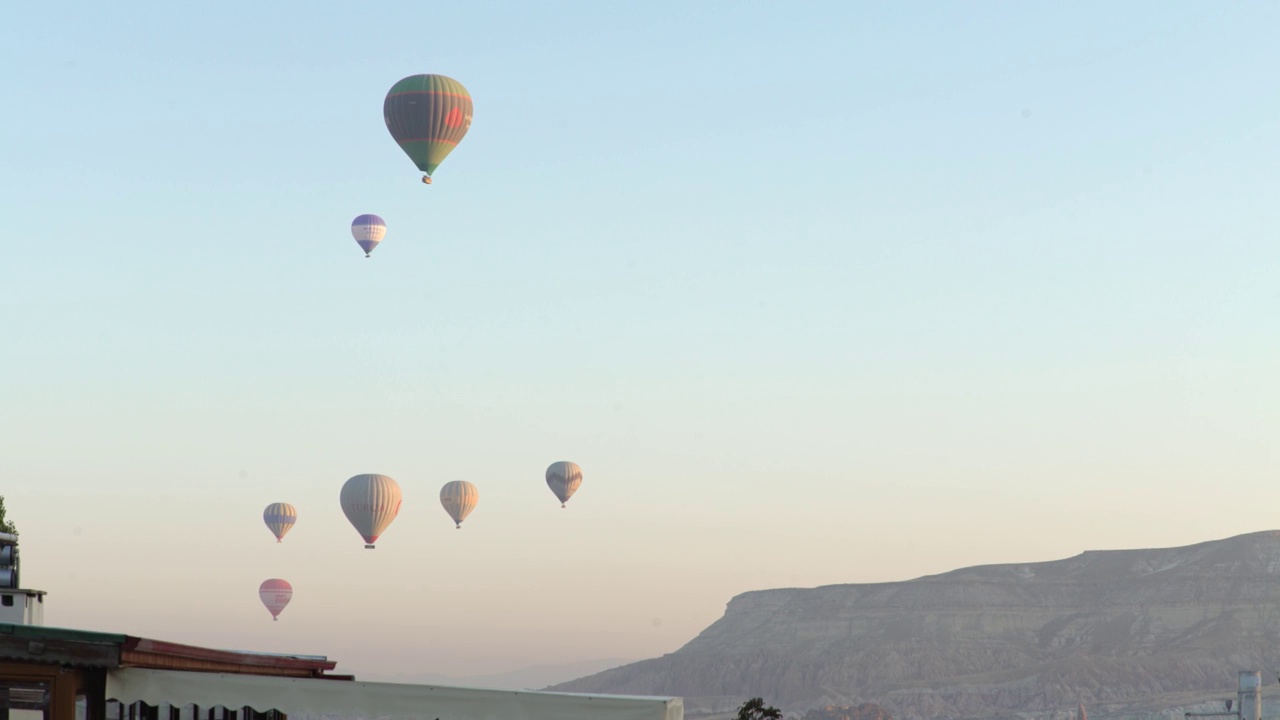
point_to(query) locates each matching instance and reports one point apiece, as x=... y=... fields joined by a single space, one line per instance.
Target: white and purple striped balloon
x=368 y=230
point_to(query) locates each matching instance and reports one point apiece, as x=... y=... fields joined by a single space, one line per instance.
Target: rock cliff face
x=865 y=711
x=1125 y=632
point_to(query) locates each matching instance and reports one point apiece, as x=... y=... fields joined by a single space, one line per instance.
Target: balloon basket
x=426 y=179
x=368 y=547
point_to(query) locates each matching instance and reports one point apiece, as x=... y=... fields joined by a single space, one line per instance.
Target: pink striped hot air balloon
x=275 y=594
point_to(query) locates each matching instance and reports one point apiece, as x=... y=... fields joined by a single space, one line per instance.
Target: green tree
x=5 y=525
x=753 y=709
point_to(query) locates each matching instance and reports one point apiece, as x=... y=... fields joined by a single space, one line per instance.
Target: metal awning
x=318 y=699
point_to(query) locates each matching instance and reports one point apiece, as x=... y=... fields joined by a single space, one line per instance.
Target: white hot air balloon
x=564 y=478
x=370 y=502
x=459 y=498
x=368 y=230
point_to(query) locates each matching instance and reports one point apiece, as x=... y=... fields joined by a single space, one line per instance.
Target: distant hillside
x=1123 y=631
x=865 y=711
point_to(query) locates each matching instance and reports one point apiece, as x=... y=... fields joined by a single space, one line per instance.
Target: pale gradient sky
x=815 y=293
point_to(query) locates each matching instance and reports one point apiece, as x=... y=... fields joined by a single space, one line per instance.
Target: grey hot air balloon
x=370 y=502
x=564 y=478
x=459 y=498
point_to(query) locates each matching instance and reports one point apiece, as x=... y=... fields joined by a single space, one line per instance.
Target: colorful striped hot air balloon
x=368 y=230
x=280 y=518
x=275 y=594
x=370 y=502
x=564 y=478
x=428 y=115
x=459 y=498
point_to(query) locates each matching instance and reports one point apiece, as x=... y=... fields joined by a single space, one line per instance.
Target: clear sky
x=814 y=292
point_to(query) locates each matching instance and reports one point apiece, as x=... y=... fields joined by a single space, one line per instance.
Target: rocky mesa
x=1126 y=632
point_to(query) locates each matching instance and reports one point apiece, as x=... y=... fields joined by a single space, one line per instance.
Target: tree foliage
x=5 y=524
x=755 y=709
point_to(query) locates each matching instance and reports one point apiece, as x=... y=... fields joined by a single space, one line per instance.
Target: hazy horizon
x=814 y=294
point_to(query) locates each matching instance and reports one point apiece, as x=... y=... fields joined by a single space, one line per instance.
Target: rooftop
x=85 y=648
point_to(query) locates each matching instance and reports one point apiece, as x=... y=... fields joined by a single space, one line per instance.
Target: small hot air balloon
x=370 y=502
x=459 y=498
x=280 y=518
x=564 y=478
x=368 y=230
x=427 y=115
x=275 y=594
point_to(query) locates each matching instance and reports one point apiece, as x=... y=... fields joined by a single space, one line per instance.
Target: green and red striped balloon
x=428 y=115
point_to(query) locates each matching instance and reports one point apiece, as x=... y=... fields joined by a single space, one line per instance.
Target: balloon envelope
x=280 y=518
x=275 y=594
x=564 y=478
x=459 y=498
x=370 y=502
x=368 y=230
x=428 y=115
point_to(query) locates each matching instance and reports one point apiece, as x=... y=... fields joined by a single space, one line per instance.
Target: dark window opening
x=24 y=700
x=165 y=711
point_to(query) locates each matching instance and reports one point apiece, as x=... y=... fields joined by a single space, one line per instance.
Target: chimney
x=17 y=606
x=1249 y=705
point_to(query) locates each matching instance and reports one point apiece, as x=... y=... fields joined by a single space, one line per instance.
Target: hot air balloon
x=564 y=478
x=370 y=502
x=428 y=115
x=280 y=518
x=459 y=498
x=275 y=594
x=368 y=230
